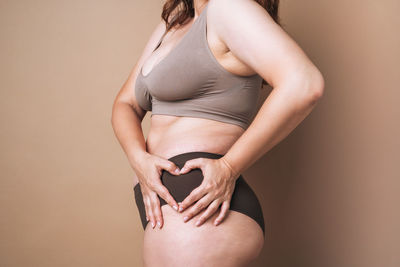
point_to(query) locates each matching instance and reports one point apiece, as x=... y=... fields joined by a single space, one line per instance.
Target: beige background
x=329 y=191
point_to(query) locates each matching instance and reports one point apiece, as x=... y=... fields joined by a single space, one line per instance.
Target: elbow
x=318 y=86
x=113 y=114
x=112 y=120
x=314 y=86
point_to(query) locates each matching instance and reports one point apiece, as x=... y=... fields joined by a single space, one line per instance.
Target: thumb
x=191 y=164
x=170 y=167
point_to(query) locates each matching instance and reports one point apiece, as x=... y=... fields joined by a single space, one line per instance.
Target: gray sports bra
x=190 y=82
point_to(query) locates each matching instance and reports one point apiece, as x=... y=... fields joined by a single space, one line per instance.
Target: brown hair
x=185 y=10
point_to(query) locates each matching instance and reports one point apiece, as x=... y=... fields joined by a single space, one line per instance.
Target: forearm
x=128 y=130
x=280 y=114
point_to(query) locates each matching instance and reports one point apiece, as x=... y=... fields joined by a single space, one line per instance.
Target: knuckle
x=207 y=186
x=157 y=213
x=147 y=203
x=213 y=207
x=200 y=205
x=152 y=184
x=170 y=165
x=214 y=194
x=163 y=190
x=206 y=214
x=219 y=191
x=214 y=184
x=153 y=205
x=157 y=187
x=189 y=198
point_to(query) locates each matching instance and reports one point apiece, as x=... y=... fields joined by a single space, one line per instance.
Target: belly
x=171 y=135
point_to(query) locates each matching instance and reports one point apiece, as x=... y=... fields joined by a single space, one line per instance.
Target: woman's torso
x=172 y=135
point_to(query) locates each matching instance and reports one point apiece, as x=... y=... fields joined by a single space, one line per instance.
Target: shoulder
x=236 y=22
x=253 y=36
x=229 y=10
x=237 y=14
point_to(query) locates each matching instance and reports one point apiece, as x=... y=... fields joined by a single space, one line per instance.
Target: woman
x=200 y=75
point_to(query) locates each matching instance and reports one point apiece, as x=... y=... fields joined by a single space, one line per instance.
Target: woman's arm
x=126 y=120
x=287 y=105
x=253 y=36
x=297 y=83
x=127 y=115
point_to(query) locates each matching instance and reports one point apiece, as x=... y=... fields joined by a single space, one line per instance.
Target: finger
x=163 y=192
x=212 y=208
x=169 y=166
x=191 y=164
x=146 y=211
x=149 y=211
x=195 y=195
x=199 y=206
x=223 y=212
x=155 y=203
x=145 y=206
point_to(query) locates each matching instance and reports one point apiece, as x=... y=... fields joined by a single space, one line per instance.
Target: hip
x=244 y=200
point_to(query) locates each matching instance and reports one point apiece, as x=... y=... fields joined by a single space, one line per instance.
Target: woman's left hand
x=216 y=188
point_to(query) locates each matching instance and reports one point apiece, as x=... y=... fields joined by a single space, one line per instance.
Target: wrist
x=233 y=172
x=138 y=157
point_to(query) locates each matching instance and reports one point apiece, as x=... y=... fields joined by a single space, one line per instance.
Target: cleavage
x=158 y=55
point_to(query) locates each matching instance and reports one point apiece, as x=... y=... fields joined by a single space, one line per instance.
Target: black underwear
x=243 y=200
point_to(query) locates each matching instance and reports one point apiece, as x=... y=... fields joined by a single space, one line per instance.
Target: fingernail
x=185 y=218
x=183 y=169
x=197 y=223
x=216 y=223
x=159 y=224
x=180 y=208
x=177 y=170
x=152 y=224
x=175 y=207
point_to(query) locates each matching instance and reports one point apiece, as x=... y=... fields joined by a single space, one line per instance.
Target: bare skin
x=237 y=239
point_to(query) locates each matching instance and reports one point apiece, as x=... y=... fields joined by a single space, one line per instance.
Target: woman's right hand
x=149 y=172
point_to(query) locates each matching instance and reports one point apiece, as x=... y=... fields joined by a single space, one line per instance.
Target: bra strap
x=165 y=32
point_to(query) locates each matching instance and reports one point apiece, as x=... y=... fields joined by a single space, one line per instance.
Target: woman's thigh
x=235 y=242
